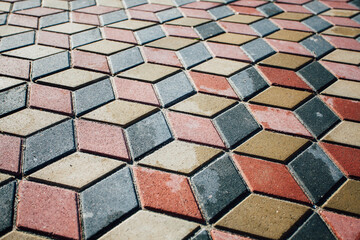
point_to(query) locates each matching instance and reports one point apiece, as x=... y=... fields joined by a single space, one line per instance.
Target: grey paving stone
x=147 y=134
x=317 y=24
x=201 y=235
x=133 y=3
x=217 y=185
x=45 y=146
x=17 y=40
x=113 y=17
x=173 y=89
x=124 y=60
x=74 y=5
x=269 y=9
x=355 y=3
x=193 y=55
x=3 y=18
x=7 y=193
x=315 y=172
x=107 y=201
x=257 y=49
x=13 y=99
x=25 y=5
x=54 y=19
x=264 y=27
x=208 y=30
x=220 y=12
x=149 y=34
x=168 y=15
x=316 y=116
x=92 y=96
x=317 y=45
x=86 y=37
x=235 y=124
x=50 y=64
x=313 y=229
x=316 y=75
x=183 y=2
x=247 y=83
x=316 y=7
x=356 y=18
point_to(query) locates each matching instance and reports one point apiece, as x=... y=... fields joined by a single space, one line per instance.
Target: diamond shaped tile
x=69 y=28
x=289 y=35
x=172 y=43
x=287 y=61
x=33 y=52
x=105 y=47
x=220 y=66
x=149 y=72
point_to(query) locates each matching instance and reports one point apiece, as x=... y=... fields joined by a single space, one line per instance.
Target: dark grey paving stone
x=148 y=134
x=355 y=3
x=133 y=3
x=168 y=15
x=124 y=60
x=208 y=30
x=201 y=235
x=17 y=41
x=54 y=19
x=107 y=201
x=173 y=89
x=183 y=2
x=356 y=18
x=264 y=27
x=217 y=185
x=257 y=49
x=269 y=9
x=86 y=37
x=235 y=124
x=47 y=145
x=13 y=99
x=220 y=12
x=316 y=7
x=247 y=83
x=317 y=24
x=74 y=5
x=113 y=17
x=316 y=75
x=313 y=229
x=7 y=196
x=17 y=6
x=315 y=172
x=317 y=45
x=316 y=116
x=149 y=34
x=50 y=64
x=92 y=96
x=3 y=18
x=193 y=55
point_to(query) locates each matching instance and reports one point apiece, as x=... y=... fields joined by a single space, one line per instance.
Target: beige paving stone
x=131 y=24
x=163 y=2
x=72 y=78
x=5 y=6
x=172 y=43
x=110 y=3
x=272 y=145
x=346 y=198
x=33 y=52
x=7 y=30
x=220 y=66
x=281 y=97
x=340 y=13
x=292 y=16
x=343 y=31
x=76 y=170
x=16 y=235
x=240 y=18
x=150 y=225
x=344 y=56
x=188 y=21
x=180 y=157
x=263 y=216
x=284 y=60
x=289 y=35
x=6 y=82
x=232 y=38
x=346 y=133
x=203 y=105
x=28 y=121
x=4 y=177
x=69 y=28
x=120 y=112
x=344 y=88
x=59 y=4
x=105 y=47
x=149 y=72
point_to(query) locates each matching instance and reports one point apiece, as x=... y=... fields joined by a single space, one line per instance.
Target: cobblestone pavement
x=179 y=119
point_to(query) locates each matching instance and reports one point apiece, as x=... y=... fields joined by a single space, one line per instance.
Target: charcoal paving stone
x=168 y=15
x=148 y=134
x=316 y=116
x=235 y=124
x=49 y=144
x=355 y=3
x=126 y=59
x=208 y=30
x=3 y=18
x=220 y=12
x=133 y=3
x=86 y=37
x=269 y=9
x=150 y=34
x=217 y=185
x=315 y=172
x=316 y=7
x=356 y=18
x=17 y=41
x=107 y=201
x=26 y=5
x=257 y=49
x=264 y=27
x=74 y=5
x=7 y=196
x=317 y=24
x=54 y=19
x=50 y=64
x=13 y=99
x=317 y=45
x=201 y=235
x=113 y=17
x=194 y=55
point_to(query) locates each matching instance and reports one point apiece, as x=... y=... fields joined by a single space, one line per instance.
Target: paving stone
x=317 y=45
x=343 y=31
x=220 y=12
x=86 y=37
x=56 y=4
x=13 y=235
x=69 y=28
x=208 y=30
x=53 y=19
x=77 y=4
x=220 y=235
x=264 y=27
x=340 y=13
x=16 y=41
x=133 y=3
x=227 y=51
x=3 y=18
x=289 y=47
x=188 y=22
x=201 y=235
x=172 y=43
x=344 y=56
x=132 y=24
x=13 y=99
x=42 y=67
x=269 y=9
x=107 y=201
x=7 y=30
x=316 y=7
x=113 y=17
x=289 y=35
x=263 y=216
x=141 y=72
x=7 y=193
x=10 y=148
x=231 y=38
x=26 y=5
x=292 y=16
x=344 y=71
x=284 y=60
x=240 y=18
x=33 y=52
x=149 y=34
x=212 y=188
x=345 y=133
x=105 y=47
x=257 y=49
x=124 y=60
x=161 y=56
x=346 y=109
x=193 y=55
x=317 y=24
x=220 y=66
x=315 y=172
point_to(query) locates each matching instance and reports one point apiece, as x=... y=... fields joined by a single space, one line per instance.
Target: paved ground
x=172 y=119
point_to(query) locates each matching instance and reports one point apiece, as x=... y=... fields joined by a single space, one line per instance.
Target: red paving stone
x=238 y=28
x=340 y=21
x=201 y=5
x=53 y=39
x=291 y=25
x=345 y=108
x=220 y=235
x=248 y=3
x=339 y=5
x=151 y=7
x=289 y=47
x=292 y=8
x=14 y=67
x=120 y=35
x=10 y=149
x=85 y=18
x=343 y=42
x=180 y=31
x=195 y=13
x=23 y=21
x=344 y=71
x=161 y=56
x=246 y=10
x=90 y=61
x=228 y=51
x=142 y=15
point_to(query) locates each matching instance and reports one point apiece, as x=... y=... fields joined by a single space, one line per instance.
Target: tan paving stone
x=263 y=216
x=76 y=170
x=33 y=52
x=180 y=157
x=110 y=3
x=6 y=30
x=344 y=56
x=340 y=13
x=240 y=18
x=150 y=225
x=343 y=31
x=292 y=16
x=131 y=24
x=232 y=38
x=163 y=2
x=4 y=177
x=172 y=43
x=6 y=82
x=289 y=35
x=16 y=235
x=284 y=60
x=346 y=133
x=56 y=4
x=220 y=66
x=69 y=28
x=203 y=105
x=344 y=88
x=105 y=47
x=188 y=21
x=149 y=72
x=272 y=145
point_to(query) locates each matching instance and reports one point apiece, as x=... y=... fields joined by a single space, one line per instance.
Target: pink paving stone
x=289 y=47
x=53 y=39
x=344 y=227
x=339 y=5
x=269 y=178
x=212 y=84
x=119 y=35
x=39 y=11
x=341 y=21
x=345 y=108
x=48 y=209
x=151 y=7
x=90 y=61
x=103 y=139
x=279 y=120
x=23 y=21
x=292 y=8
x=344 y=71
x=50 y=98
x=220 y=235
x=166 y=192
x=238 y=28
x=135 y=91
x=10 y=153
x=194 y=129
x=14 y=67
x=85 y=18
x=228 y=51
x=180 y=31
x=248 y=3
x=195 y=13
x=291 y=25
x=343 y=42
x=246 y=10
x=161 y=56
x=347 y=158
x=201 y=5
x=97 y=10
x=142 y=15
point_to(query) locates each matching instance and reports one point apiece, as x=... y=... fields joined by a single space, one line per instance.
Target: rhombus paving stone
x=7 y=199
x=201 y=235
x=257 y=49
x=149 y=34
x=112 y=17
x=264 y=27
x=10 y=148
x=316 y=7
x=317 y=24
x=33 y=52
x=220 y=12
x=126 y=59
x=53 y=19
x=168 y=15
x=13 y=99
x=50 y=64
x=86 y=37
x=193 y=55
x=269 y=9
x=15 y=41
x=317 y=45
x=209 y=30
